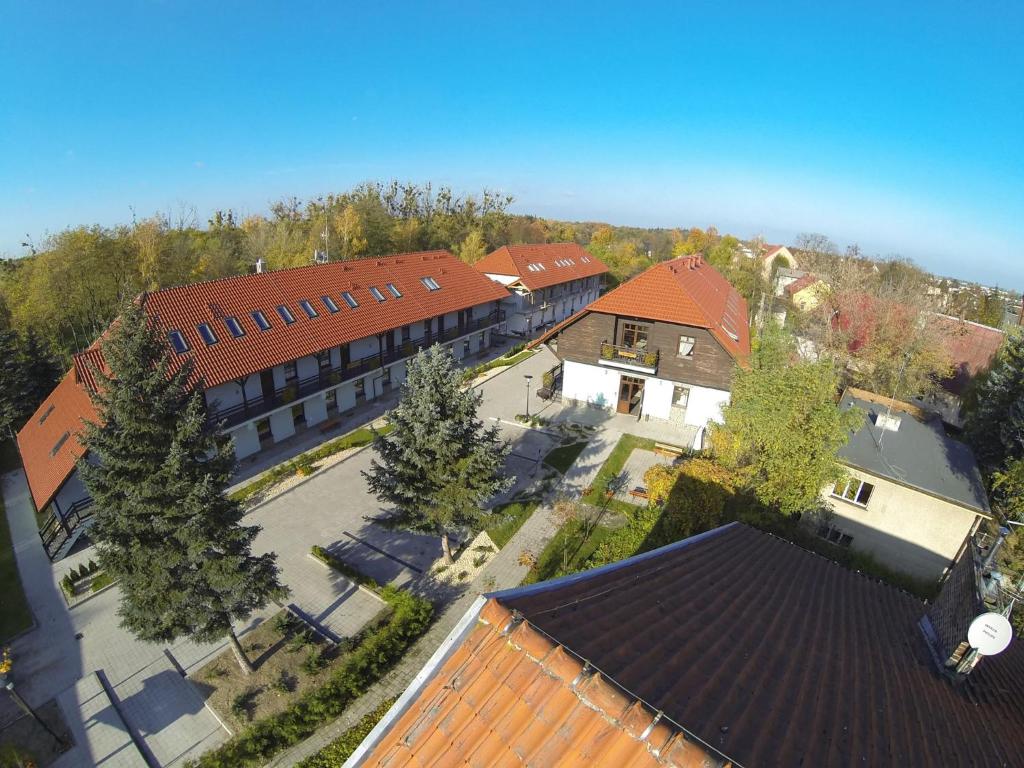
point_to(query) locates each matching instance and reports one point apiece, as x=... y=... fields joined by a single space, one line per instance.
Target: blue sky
x=897 y=128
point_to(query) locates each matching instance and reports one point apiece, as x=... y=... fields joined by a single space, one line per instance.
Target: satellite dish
x=990 y=633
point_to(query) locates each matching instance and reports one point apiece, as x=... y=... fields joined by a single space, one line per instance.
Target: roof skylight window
x=60 y=443
x=207 y=333
x=394 y=291
x=261 y=320
x=376 y=293
x=308 y=308
x=178 y=341
x=286 y=314
x=585 y=259
x=350 y=299
x=430 y=283
x=329 y=303
x=234 y=326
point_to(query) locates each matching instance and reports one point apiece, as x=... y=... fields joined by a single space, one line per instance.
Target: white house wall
x=307 y=367
x=247 y=440
x=361 y=348
x=227 y=395
x=903 y=528
x=704 y=405
x=657 y=402
x=590 y=384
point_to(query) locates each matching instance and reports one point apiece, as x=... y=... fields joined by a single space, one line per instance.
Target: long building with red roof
x=662 y=345
x=548 y=282
x=277 y=352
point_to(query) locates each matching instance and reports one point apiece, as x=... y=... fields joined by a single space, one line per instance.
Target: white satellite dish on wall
x=990 y=633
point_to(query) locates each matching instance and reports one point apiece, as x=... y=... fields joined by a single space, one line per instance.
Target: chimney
x=889 y=421
x=261 y=265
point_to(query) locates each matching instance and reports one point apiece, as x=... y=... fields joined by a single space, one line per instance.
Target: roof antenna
x=888 y=408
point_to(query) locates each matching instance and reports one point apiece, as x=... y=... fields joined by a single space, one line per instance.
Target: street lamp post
x=528 y=378
x=7 y=683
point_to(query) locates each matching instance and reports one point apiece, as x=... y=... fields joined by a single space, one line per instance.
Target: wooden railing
x=56 y=530
x=635 y=356
x=329 y=377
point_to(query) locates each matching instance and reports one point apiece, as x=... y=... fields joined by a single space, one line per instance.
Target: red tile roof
x=971 y=346
x=559 y=262
x=510 y=696
x=774 y=655
x=771 y=250
x=183 y=308
x=800 y=283
x=60 y=414
x=686 y=290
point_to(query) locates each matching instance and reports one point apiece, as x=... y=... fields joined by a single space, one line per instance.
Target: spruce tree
x=438 y=464
x=995 y=410
x=13 y=387
x=40 y=369
x=157 y=472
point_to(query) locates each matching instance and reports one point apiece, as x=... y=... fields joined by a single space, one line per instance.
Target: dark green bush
x=339 y=750
x=410 y=617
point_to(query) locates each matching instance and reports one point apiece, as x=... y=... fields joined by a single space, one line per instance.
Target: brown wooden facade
x=709 y=365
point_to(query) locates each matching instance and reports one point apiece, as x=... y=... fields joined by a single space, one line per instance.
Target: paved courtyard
x=140 y=692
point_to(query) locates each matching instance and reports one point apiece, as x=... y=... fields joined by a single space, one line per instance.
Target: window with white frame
x=680 y=396
x=854 y=491
x=686 y=344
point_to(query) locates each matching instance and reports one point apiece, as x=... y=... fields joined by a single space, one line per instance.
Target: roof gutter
x=425 y=675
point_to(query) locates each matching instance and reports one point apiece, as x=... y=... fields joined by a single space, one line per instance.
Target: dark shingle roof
x=919 y=454
x=777 y=656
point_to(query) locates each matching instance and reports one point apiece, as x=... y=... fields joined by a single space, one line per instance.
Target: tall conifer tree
x=41 y=370
x=13 y=386
x=995 y=412
x=438 y=464
x=157 y=472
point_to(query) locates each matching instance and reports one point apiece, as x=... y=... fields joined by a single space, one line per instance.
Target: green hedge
x=338 y=751
x=364 y=666
x=346 y=570
x=512 y=357
x=358 y=438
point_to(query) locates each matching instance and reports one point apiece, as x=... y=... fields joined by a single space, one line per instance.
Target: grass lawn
x=567 y=552
x=564 y=456
x=289 y=660
x=498 y=362
x=509 y=519
x=612 y=468
x=14 y=613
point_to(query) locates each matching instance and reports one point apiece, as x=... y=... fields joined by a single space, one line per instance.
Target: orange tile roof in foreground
x=556 y=262
x=510 y=696
x=48 y=456
x=686 y=290
x=755 y=651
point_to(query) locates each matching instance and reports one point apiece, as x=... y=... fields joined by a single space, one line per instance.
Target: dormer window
x=329 y=303
x=59 y=444
x=394 y=291
x=430 y=283
x=207 y=334
x=261 y=320
x=308 y=309
x=350 y=299
x=286 y=314
x=234 y=327
x=375 y=292
x=177 y=339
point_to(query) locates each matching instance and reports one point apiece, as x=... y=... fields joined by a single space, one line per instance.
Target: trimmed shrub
x=339 y=750
x=410 y=618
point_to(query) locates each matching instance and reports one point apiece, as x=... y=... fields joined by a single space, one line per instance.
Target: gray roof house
x=913 y=494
